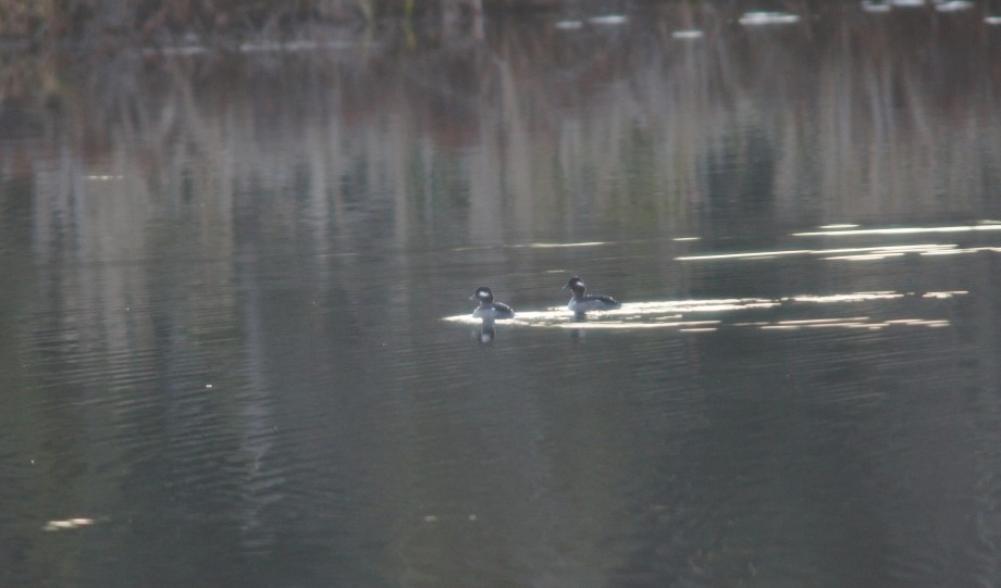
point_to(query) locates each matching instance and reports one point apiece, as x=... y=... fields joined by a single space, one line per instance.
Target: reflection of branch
x=527 y=95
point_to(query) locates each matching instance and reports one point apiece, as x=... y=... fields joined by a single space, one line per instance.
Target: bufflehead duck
x=581 y=302
x=488 y=310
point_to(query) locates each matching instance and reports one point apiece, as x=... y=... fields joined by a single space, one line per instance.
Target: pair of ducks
x=581 y=302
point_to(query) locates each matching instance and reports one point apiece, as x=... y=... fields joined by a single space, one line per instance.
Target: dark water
x=222 y=344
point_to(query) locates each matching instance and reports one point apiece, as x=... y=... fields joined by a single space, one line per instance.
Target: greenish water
x=229 y=333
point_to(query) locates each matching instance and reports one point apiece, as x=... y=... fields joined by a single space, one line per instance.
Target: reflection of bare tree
x=516 y=111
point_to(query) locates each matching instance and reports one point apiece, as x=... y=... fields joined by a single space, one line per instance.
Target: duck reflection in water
x=578 y=334
x=486 y=333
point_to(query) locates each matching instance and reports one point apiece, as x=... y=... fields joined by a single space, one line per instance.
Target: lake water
x=231 y=343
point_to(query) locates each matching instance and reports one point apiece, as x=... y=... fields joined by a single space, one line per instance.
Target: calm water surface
x=223 y=343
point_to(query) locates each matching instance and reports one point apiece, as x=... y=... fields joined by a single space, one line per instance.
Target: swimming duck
x=582 y=302
x=488 y=310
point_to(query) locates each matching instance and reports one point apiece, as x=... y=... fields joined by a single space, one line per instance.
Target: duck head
x=575 y=285
x=483 y=295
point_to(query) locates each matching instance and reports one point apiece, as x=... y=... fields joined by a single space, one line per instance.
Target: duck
x=581 y=302
x=488 y=310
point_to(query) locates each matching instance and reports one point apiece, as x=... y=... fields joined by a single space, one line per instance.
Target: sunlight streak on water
x=692 y=326
x=823 y=320
x=875 y=7
x=68 y=524
x=852 y=297
x=670 y=314
x=879 y=250
x=865 y=257
x=293 y=46
x=900 y=231
x=608 y=19
x=852 y=323
x=563 y=319
x=962 y=251
x=569 y=25
x=945 y=294
x=768 y=18
x=933 y=252
x=954 y=6
x=687 y=34
x=558 y=245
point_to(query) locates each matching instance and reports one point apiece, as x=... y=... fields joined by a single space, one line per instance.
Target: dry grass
x=86 y=19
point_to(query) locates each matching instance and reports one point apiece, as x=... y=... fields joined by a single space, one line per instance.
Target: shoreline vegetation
x=155 y=22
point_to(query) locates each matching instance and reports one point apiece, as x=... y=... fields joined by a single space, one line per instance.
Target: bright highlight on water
x=768 y=18
x=900 y=231
x=671 y=314
x=879 y=249
x=68 y=524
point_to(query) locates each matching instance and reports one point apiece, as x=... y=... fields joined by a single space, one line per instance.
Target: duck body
x=493 y=311
x=488 y=310
x=587 y=303
x=582 y=302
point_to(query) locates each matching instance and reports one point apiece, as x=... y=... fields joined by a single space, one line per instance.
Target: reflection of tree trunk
x=870 y=93
x=260 y=486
